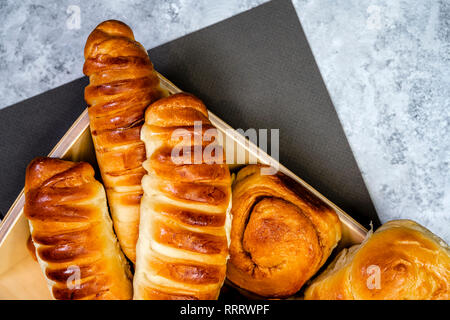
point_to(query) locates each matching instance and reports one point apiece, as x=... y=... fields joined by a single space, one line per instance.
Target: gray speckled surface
x=386 y=65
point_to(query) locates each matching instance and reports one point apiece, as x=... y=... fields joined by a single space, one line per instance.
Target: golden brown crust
x=281 y=233
x=72 y=231
x=122 y=84
x=401 y=260
x=191 y=217
x=182 y=247
x=31 y=248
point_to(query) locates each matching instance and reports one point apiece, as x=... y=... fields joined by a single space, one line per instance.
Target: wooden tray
x=20 y=275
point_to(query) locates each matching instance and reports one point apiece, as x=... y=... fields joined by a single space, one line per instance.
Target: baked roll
x=122 y=83
x=31 y=248
x=72 y=232
x=182 y=247
x=281 y=233
x=401 y=260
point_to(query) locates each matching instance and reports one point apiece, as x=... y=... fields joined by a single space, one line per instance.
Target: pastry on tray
x=182 y=248
x=401 y=260
x=281 y=233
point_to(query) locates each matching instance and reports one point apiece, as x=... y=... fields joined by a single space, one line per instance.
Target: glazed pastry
x=182 y=247
x=72 y=232
x=401 y=260
x=281 y=233
x=122 y=84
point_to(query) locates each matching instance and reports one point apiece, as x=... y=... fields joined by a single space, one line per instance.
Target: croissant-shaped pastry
x=122 y=84
x=182 y=247
x=72 y=232
x=281 y=233
x=401 y=260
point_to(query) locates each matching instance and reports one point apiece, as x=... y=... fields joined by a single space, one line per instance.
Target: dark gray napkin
x=254 y=70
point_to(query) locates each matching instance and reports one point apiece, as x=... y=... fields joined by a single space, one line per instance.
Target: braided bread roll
x=72 y=232
x=281 y=233
x=122 y=84
x=182 y=247
x=401 y=260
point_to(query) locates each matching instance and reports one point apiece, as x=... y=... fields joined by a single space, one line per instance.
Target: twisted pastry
x=122 y=84
x=281 y=233
x=182 y=247
x=72 y=232
x=401 y=260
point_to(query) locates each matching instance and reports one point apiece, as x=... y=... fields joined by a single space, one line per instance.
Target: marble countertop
x=385 y=63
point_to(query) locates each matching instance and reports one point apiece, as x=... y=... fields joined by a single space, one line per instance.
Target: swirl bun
x=281 y=233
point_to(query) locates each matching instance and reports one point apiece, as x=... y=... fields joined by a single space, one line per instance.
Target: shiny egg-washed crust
x=122 y=84
x=31 y=248
x=281 y=233
x=400 y=261
x=182 y=247
x=72 y=232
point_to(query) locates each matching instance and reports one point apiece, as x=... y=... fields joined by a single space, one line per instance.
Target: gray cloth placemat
x=254 y=70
